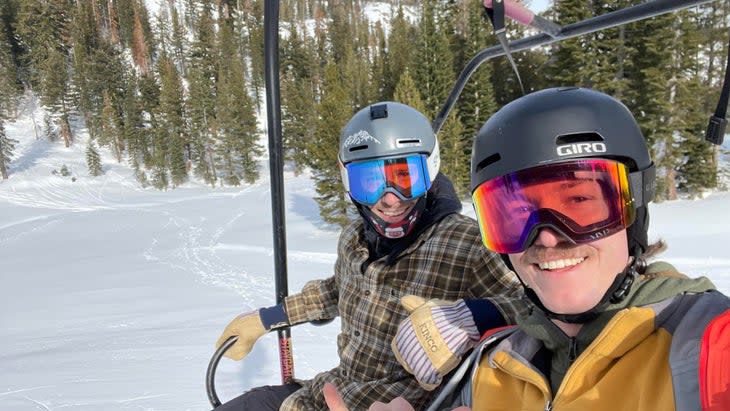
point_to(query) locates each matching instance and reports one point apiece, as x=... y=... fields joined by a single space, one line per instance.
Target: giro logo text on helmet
x=581 y=148
x=360 y=137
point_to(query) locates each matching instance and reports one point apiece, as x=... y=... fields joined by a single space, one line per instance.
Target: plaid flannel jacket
x=447 y=261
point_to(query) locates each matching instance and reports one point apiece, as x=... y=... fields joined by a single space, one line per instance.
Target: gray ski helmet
x=388 y=130
x=560 y=124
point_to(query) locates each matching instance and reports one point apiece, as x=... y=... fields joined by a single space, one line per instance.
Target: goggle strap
x=433 y=161
x=643 y=185
x=344 y=175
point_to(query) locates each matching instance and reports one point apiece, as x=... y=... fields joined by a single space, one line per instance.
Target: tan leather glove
x=432 y=340
x=248 y=328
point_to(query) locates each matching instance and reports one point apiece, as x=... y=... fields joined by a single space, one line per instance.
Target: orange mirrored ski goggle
x=583 y=200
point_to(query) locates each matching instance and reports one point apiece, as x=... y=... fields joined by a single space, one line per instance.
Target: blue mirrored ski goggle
x=406 y=177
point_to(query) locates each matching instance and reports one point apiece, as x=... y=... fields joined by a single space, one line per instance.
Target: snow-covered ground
x=112 y=295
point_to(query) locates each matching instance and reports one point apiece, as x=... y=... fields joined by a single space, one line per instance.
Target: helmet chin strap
x=394 y=230
x=616 y=293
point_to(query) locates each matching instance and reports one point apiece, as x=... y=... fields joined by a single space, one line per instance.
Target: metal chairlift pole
x=276 y=166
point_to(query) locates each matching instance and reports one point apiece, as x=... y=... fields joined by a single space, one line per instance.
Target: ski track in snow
x=143 y=397
x=7 y=228
x=200 y=238
x=296 y=256
x=44 y=406
x=199 y=255
x=3 y=394
x=57 y=196
x=200 y=241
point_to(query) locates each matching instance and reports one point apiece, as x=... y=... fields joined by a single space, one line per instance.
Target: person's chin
x=565 y=304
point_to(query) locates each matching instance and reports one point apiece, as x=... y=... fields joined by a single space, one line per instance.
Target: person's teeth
x=556 y=264
x=393 y=213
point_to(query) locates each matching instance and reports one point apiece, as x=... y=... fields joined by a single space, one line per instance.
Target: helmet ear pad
x=638 y=232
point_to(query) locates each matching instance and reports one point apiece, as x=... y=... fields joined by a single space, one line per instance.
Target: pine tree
x=202 y=73
x=172 y=123
x=321 y=42
x=378 y=47
x=139 y=107
x=433 y=73
x=695 y=167
x=340 y=33
x=298 y=90
x=132 y=22
x=573 y=59
x=43 y=30
x=359 y=61
x=407 y=93
x=9 y=84
x=454 y=17
x=399 y=52
x=333 y=112
x=49 y=129
x=110 y=132
x=179 y=44
x=86 y=40
x=477 y=102
x=254 y=28
x=648 y=91
x=452 y=143
x=435 y=77
x=113 y=24
x=718 y=22
x=159 y=176
x=7 y=147
x=350 y=51
x=99 y=77
x=140 y=48
x=238 y=147
x=124 y=12
x=93 y=160
x=613 y=53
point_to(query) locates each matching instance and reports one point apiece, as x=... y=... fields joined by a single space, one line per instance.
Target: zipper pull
x=573 y=352
x=549 y=406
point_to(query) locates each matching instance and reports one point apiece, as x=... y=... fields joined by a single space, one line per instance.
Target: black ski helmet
x=559 y=124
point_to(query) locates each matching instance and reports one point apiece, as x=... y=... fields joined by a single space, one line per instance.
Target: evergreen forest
x=173 y=87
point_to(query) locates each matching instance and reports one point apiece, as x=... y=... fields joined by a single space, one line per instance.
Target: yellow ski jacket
x=643 y=356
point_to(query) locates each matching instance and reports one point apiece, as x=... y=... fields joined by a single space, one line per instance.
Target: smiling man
x=410 y=239
x=609 y=332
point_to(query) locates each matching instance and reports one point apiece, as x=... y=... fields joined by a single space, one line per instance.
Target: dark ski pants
x=266 y=398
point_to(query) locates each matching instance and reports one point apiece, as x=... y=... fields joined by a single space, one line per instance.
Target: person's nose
x=390 y=200
x=547 y=237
